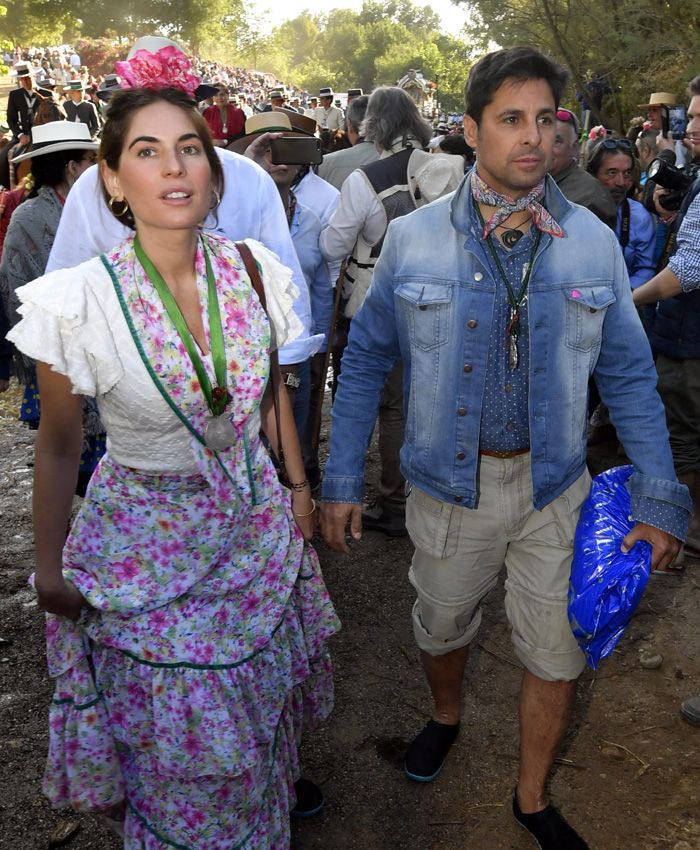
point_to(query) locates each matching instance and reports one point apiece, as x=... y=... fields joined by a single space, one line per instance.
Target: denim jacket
x=431 y=304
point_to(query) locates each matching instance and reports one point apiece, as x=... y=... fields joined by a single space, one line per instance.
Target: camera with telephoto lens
x=676 y=180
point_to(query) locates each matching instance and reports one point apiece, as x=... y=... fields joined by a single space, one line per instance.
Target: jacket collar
x=462 y=204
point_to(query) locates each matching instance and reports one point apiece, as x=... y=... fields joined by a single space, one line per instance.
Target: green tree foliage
x=638 y=47
x=35 y=21
x=341 y=48
x=375 y=46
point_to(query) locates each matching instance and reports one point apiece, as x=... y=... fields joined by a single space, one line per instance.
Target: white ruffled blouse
x=73 y=321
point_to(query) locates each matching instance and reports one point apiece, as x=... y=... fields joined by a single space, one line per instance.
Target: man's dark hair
x=514 y=63
x=601 y=151
x=693 y=87
x=355 y=113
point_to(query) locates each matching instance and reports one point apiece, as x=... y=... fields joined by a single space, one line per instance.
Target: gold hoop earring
x=120 y=213
x=217 y=199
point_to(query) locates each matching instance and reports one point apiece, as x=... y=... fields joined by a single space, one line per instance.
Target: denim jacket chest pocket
x=424 y=308
x=585 y=311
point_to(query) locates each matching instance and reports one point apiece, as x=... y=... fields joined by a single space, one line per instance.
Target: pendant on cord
x=511 y=238
x=513 y=332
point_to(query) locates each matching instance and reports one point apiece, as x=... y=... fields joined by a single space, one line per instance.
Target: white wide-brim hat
x=22 y=69
x=58 y=136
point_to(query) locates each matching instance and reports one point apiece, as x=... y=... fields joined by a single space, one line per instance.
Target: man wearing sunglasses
x=575 y=184
x=612 y=164
x=501 y=300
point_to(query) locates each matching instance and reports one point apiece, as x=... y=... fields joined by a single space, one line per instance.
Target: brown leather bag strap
x=275 y=377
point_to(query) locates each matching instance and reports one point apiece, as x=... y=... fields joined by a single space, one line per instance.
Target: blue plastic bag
x=606 y=585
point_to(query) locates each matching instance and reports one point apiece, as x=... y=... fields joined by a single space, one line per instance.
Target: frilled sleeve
x=280 y=294
x=64 y=324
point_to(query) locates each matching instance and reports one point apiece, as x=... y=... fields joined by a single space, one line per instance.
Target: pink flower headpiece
x=166 y=68
x=598 y=132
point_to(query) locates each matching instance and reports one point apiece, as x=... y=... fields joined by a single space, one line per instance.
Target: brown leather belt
x=504 y=455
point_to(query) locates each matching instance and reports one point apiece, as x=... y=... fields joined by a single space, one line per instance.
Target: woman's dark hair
x=123 y=105
x=514 y=63
x=49 y=169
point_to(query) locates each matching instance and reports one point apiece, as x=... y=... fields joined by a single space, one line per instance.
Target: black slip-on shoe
x=425 y=755
x=310 y=799
x=549 y=829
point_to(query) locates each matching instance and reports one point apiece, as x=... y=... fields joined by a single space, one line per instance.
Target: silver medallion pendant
x=220 y=433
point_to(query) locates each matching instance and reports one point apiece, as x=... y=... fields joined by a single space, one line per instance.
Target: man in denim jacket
x=502 y=300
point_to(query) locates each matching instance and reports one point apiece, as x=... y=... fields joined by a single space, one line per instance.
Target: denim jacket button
x=592 y=310
x=462 y=411
x=460 y=455
x=472 y=323
x=467 y=367
x=458 y=498
x=422 y=306
x=478 y=276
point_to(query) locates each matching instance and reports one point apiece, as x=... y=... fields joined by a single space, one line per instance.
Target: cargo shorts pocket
x=433 y=525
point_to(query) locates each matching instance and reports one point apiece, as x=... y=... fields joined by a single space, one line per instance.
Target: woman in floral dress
x=188 y=618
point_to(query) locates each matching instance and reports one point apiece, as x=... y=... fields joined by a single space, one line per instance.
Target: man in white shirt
x=328 y=117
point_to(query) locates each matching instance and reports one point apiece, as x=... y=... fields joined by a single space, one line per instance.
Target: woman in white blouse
x=188 y=618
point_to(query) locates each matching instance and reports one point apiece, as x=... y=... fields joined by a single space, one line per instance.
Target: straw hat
x=301 y=125
x=58 y=136
x=277 y=121
x=659 y=98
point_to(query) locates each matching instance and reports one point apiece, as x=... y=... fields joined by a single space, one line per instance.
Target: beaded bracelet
x=300 y=486
x=313 y=508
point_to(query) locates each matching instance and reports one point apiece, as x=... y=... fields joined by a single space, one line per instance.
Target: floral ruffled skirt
x=200 y=745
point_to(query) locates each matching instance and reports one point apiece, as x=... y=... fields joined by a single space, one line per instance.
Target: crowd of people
x=237 y=238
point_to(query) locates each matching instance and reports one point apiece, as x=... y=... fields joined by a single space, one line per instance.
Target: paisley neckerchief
x=506 y=206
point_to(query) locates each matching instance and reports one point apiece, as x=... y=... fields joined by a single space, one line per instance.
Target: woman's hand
x=58 y=596
x=305 y=513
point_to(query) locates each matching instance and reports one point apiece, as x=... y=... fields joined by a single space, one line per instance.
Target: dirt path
x=641 y=791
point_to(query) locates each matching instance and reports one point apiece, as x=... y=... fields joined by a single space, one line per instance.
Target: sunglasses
x=568 y=117
x=565 y=115
x=616 y=144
